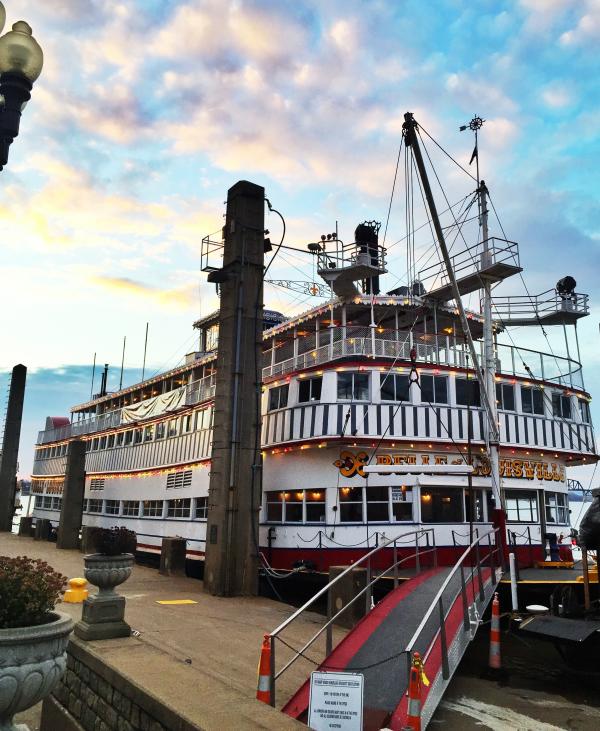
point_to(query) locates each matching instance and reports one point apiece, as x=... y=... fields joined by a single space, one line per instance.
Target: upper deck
x=382 y=328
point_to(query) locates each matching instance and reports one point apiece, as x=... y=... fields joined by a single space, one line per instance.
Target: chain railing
x=373 y=574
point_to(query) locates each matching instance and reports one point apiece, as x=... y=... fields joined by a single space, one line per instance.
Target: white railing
x=367 y=342
x=434 y=349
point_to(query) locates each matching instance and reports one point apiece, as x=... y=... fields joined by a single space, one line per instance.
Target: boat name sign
x=351 y=464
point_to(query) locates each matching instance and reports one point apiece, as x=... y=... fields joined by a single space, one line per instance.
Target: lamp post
x=21 y=61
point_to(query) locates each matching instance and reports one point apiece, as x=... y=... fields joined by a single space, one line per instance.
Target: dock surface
x=201 y=658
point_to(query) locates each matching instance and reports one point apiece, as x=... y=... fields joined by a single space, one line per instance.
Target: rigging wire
x=448 y=154
x=527 y=368
x=387 y=220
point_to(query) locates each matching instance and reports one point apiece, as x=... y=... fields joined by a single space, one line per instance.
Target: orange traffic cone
x=495 y=661
x=263 y=689
x=415 y=685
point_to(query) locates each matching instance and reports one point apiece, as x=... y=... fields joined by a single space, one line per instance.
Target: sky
x=147 y=112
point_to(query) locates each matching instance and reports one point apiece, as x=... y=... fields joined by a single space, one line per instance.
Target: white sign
x=336 y=701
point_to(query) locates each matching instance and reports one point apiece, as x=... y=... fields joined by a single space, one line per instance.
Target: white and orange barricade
x=416 y=680
x=263 y=688
x=495 y=661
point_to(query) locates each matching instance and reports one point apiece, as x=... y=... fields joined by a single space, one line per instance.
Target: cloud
x=587 y=29
x=557 y=97
x=182 y=296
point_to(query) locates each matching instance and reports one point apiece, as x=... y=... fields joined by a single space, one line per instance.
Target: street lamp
x=21 y=61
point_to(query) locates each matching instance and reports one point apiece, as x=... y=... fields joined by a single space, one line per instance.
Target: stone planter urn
x=103 y=614
x=32 y=661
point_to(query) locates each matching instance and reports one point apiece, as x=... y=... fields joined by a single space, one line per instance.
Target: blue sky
x=147 y=112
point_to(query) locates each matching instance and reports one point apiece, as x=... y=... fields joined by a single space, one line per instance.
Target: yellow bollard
x=76 y=592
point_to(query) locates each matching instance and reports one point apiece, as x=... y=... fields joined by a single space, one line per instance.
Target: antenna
x=122 y=362
x=145 y=348
x=474 y=125
x=93 y=375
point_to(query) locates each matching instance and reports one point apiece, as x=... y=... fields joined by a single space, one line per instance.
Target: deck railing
x=444 y=350
x=424 y=545
x=367 y=342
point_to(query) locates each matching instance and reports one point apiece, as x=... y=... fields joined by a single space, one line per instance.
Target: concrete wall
x=129 y=685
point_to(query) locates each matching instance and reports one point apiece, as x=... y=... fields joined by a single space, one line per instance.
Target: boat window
x=173 y=426
x=102 y=443
x=275 y=507
x=394 y=387
x=131 y=507
x=584 y=410
x=442 y=505
x=479 y=498
x=56 y=503
x=95 y=443
x=186 y=422
x=351 y=504
x=199 y=419
x=532 y=400
x=111 y=441
x=179 y=508
x=561 y=406
x=128 y=437
x=353 y=386
x=94 y=506
x=402 y=502
x=505 y=396
x=201 y=508
x=467 y=392
x=310 y=389
x=278 y=397
x=152 y=508
x=148 y=433
x=521 y=506
x=160 y=430
x=378 y=506
x=434 y=389
x=85 y=502
x=315 y=506
x=557 y=510
x=111 y=507
x=137 y=436
x=293 y=507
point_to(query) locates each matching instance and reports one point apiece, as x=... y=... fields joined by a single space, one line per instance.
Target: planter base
x=102 y=630
x=103 y=618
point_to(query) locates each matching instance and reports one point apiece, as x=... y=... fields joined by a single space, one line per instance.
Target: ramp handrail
x=367 y=591
x=437 y=603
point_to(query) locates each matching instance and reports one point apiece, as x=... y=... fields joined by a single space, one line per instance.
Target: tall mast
x=488 y=350
x=487 y=396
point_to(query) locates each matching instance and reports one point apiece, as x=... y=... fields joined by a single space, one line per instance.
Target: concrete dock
x=199 y=658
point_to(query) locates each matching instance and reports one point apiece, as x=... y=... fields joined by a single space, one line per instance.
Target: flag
x=474 y=155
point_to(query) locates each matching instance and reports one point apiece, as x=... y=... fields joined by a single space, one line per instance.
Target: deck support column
x=231 y=565
x=71 y=510
x=10 y=447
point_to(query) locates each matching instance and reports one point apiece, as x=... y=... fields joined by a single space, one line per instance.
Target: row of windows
x=48 y=502
x=434 y=389
x=355 y=505
x=380 y=504
x=178 y=508
x=163 y=429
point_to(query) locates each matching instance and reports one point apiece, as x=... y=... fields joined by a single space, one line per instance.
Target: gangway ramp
x=436 y=613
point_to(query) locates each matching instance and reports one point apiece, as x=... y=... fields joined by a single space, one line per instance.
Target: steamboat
x=372 y=404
